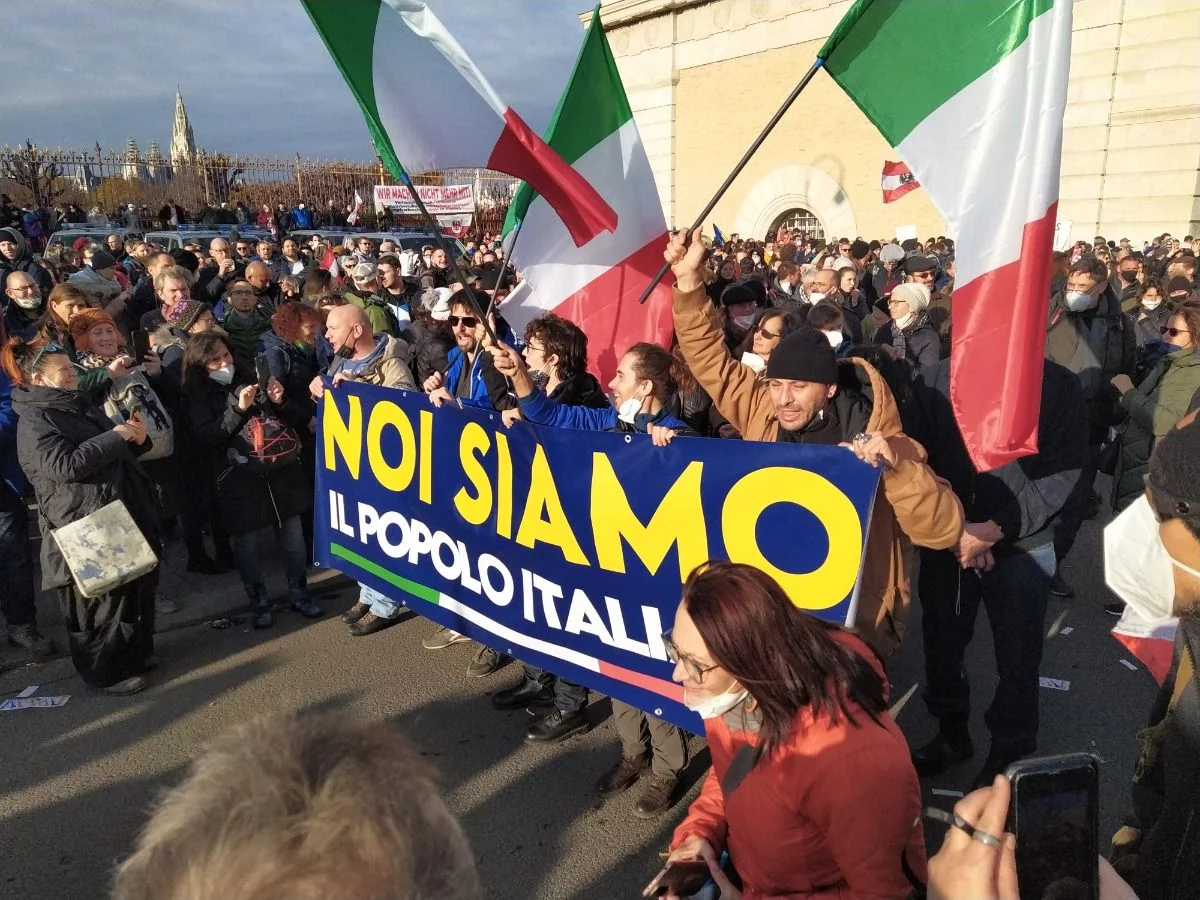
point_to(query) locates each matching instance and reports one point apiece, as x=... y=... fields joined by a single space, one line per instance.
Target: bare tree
x=36 y=169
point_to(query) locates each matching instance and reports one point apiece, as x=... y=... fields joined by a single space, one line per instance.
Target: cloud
x=255 y=77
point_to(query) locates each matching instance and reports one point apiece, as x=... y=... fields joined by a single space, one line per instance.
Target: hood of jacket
x=24 y=251
x=34 y=396
x=89 y=279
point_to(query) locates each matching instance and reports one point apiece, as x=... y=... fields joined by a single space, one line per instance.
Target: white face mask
x=754 y=362
x=1079 y=301
x=905 y=320
x=835 y=338
x=629 y=409
x=816 y=298
x=1152 y=304
x=28 y=302
x=716 y=706
x=744 y=322
x=223 y=375
x=1136 y=564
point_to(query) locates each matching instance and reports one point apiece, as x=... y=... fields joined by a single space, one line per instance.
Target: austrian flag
x=897 y=181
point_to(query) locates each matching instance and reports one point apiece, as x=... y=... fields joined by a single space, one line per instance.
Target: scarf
x=899 y=337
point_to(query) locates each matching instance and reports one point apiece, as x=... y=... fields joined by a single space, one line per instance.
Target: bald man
x=266 y=291
x=214 y=276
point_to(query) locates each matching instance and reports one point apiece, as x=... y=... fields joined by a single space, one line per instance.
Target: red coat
x=829 y=815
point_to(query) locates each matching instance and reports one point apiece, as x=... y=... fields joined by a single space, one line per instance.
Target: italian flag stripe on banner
x=428 y=106
x=980 y=125
x=596 y=286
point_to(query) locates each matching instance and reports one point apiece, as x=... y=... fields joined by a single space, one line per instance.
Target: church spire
x=183 y=145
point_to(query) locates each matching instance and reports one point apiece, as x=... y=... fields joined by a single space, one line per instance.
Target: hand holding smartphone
x=681 y=877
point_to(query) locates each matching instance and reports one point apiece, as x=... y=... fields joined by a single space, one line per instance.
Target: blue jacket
x=456 y=362
x=302 y=218
x=10 y=467
x=541 y=410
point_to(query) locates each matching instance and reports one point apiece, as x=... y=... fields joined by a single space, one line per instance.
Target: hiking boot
x=556 y=727
x=486 y=662
x=443 y=638
x=656 y=796
x=301 y=602
x=950 y=746
x=124 y=688
x=621 y=776
x=30 y=639
x=356 y=612
x=1059 y=587
x=369 y=624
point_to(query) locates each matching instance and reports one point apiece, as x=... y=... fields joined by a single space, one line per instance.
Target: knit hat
x=804 y=355
x=102 y=259
x=185 y=258
x=188 y=314
x=79 y=243
x=84 y=321
x=891 y=253
x=440 y=309
x=859 y=249
x=736 y=293
x=908 y=245
x=916 y=294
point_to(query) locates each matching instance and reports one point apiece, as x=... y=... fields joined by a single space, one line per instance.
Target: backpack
x=134 y=392
x=264 y=444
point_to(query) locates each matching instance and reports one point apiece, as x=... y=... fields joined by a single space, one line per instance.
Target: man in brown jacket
x=807 y=397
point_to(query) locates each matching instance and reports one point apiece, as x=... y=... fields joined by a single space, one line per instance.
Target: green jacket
x=1152 y=409
x=382 y=320
x=243 y=342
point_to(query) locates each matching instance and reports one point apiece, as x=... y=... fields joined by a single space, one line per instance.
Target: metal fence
x=104 y=181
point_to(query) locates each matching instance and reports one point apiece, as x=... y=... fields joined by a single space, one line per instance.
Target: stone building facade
x=703 y=76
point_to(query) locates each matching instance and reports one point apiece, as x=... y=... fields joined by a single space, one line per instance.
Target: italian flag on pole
x=980 y=125
x=596 y=286
x=428 y=106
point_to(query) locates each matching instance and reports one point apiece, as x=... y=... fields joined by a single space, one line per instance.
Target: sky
x=255 y=77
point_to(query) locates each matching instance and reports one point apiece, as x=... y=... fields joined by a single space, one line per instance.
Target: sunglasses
x=465 y=321
x=695 y=669
x=1173 y=332
x=769 y=335
x=51 y=347
x=1165 y=506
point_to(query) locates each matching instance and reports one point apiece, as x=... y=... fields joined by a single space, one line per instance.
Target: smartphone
x=1055 y=814
x=683 y=876
x=141 y=346
x=263 y=371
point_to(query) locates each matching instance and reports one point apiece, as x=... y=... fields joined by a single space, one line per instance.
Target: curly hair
x=289 y=320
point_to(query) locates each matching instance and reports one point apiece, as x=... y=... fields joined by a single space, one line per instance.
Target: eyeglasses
x=465 y=321
x=23 y=287
x=769 y=335
x=695 y=669
x=1165 y=506
x=530 y=346
x=1174 y=332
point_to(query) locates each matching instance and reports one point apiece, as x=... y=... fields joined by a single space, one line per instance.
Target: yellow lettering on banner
x=830 y=582
x=554 y=528
x=399 y=477
x=679 y=517
x=473 y=445
x=341 y=435
x=425 y=446
x=504 y=487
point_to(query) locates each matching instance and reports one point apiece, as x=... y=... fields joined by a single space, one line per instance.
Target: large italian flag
x=596 y=286
x=979 y=122
x=428 y=106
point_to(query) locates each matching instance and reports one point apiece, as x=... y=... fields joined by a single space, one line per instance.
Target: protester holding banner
x=642 y=389
x=811 y=791
x=810 y=397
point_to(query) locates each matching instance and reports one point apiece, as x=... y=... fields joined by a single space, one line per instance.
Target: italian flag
x=980 y=125
x=427 y=104
x=596 y=286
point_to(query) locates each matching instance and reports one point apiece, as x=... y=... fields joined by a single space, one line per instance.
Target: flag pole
x=508 y=252
x=758 y=141
x=444 y=245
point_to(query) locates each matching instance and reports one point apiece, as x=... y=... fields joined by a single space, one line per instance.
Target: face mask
x=629 y=409
x=744 y=322
x=1078 y=301
x=905 y=320
x=715 y=707
x=1136 y=564
x=835 y=338
x=540 y=379
x=223 y=375
x=1170 y=348
x=1152 y=304
x=28 y=302
x=754 y=362
x=1129 y=277
x=816 y=298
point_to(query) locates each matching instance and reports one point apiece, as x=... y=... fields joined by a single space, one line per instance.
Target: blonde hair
x=303 y=808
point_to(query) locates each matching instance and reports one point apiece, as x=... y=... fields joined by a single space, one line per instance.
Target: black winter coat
x=922 y=344
x=292 y=366
x=429 y=352
x=248 y=499
x=77 y=464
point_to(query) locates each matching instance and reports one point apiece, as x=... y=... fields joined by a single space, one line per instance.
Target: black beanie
x=736 y=293
x=804 y=355
x=185 y=258
x=859 y=249
x=1175 y=465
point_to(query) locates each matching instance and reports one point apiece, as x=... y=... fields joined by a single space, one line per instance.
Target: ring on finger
x=862 y=437
x=957 y=821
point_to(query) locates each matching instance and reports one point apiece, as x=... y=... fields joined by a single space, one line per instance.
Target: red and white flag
x=897 y=181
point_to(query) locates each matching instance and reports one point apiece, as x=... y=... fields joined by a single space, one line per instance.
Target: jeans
x=383 y=607
x=16 y=561
x=1074 y=511
x=291 y=539
x=1015 y=594
x=569 y=697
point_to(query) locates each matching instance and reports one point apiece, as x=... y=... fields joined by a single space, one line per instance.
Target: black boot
x=951 y=745
x=522 y=694
x=31 y=640
x=557 y=726
x=260 y=605
x=998 y=760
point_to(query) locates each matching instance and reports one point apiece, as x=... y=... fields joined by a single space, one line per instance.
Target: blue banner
x=567 y=549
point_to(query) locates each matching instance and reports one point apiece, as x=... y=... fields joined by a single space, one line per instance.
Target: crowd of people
x=127 y=370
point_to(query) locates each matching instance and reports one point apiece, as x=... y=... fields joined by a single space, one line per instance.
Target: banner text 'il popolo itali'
x=567 y=549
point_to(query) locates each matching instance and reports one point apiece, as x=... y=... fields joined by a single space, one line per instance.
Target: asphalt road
x=75 y=782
